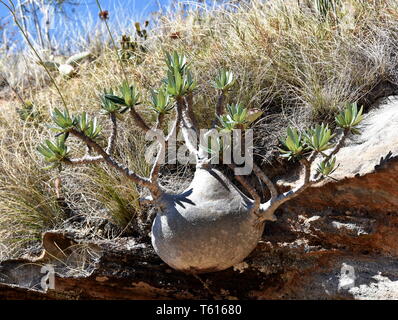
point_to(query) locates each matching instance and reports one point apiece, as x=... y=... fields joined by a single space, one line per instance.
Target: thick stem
x=113 y=136
x=84 y=160
x=145 y=182
x=189 y=131
x=220 y=109
x=140 y=122
x=264 y=178
x=249 y=188
x=268 y=208
x=189 y=106
x=220 y=104
x=307 y=168
x=162 y=149
x=185 y=115
x=160 y=121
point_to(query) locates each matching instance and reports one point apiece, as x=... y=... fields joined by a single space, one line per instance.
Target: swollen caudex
x=209 y=227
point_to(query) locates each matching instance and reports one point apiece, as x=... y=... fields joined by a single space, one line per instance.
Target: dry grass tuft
x=27 y=203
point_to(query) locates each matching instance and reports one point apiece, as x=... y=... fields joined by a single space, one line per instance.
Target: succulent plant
x=327 y=166
x=293 y=143
x=54 y=152
x=350 y=118
x=62 y=120
x=179 y=80
x=90 y=128
x=108 y=106
x=224 y=80
x=176 y=61
x=129 y=97
x=318 y=138
x=161 y=102
x=202 y=222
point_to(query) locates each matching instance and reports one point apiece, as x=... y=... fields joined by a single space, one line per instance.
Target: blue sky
x=141 y=7
x=81 y=20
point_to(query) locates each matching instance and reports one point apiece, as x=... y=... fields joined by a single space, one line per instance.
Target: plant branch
x=220 y=104
x=267 y=209
x=249 y=188
x=145 y=182
x=307 y=169
x=84 y=160
x=88 y=159
x=339 y=144
x=160 y=121
x=185 y=114
x=163 y=147
x=187 y=127
x=140 y=122
x=264 y=178
x=336 y=149
x=220 y=108
x=189 y=106
x=113 y=136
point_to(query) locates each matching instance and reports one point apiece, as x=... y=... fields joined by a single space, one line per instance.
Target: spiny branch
x=267 y=209
x=253 y=193
x=220 y=104
x=163 y=147
x=145 y=182
x=264 y=178
x=140 y=122
x=189 y=106
x=84 y=160
x=220 y=108
x=112 y=137
x=88 y=159
x=187 y=127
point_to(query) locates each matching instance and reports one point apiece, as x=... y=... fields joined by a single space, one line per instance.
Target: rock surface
x=338 y=240
x=370 y=157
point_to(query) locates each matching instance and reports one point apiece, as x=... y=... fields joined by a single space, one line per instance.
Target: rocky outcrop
x=372 y=159
x=338 y=240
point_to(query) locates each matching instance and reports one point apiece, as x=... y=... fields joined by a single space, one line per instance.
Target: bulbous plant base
x=209 y=227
